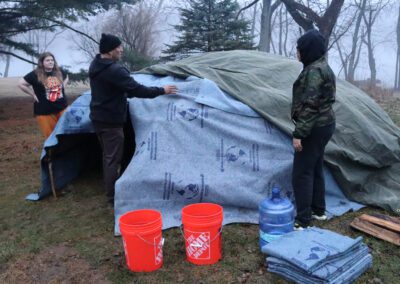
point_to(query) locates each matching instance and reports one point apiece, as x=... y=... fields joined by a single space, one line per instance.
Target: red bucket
x=202 y=225
x=142 y=237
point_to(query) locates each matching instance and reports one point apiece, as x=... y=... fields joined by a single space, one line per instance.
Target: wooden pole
x=50 y=165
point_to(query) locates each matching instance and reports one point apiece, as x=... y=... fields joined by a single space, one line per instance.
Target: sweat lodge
x=226 y=139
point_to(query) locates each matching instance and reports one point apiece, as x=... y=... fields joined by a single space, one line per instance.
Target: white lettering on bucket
x=158 y=250
x=198 y=246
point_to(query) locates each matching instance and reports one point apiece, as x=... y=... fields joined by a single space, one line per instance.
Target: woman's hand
x=297 y=145
x=66 y=80
x=170 y=89
x=27 y=89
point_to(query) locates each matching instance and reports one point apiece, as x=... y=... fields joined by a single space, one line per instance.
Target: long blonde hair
x=41 y=73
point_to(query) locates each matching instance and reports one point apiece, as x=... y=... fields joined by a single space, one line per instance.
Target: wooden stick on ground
x=52 y=184
x=381 y=222
x=376 y=231
x=395 y=220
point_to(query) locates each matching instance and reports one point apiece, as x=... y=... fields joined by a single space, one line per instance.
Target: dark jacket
x=315 y=88
x=313 y=97
x=111 y=85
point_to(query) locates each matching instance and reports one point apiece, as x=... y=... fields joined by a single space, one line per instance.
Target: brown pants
x=112 y=144
x=48 y=122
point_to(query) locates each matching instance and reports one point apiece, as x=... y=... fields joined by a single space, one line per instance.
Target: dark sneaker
x=321 y=217
x=299 y=227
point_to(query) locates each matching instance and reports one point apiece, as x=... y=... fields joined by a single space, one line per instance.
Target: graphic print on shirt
x=53 y=89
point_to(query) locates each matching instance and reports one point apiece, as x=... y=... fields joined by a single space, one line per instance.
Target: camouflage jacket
x=313 y=96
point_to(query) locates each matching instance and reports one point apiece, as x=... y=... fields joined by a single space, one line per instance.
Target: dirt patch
x=60 y=264
x=21 y=147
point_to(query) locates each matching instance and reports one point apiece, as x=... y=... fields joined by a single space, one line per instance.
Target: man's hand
x=297 y=145
x=170 y=89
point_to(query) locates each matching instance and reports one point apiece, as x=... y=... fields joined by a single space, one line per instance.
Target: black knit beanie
x=108 y=42
x=311 y=46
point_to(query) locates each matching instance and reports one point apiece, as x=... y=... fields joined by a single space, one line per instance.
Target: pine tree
x=210 y=25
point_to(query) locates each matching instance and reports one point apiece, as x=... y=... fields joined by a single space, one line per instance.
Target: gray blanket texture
x=364 y=154
x=323 y=257
x=202 y=145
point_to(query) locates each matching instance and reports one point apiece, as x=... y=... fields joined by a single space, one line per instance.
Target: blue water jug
x=276 y=217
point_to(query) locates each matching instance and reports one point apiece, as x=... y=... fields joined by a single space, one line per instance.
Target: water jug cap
x=276 y=193
x=278 y=203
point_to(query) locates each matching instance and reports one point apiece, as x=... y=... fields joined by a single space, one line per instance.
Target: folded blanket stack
x=316 y=255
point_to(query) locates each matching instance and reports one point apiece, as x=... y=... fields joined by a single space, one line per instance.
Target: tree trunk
x=369 y=21
x=265 y=33
x=253 y=25
x=352 y=60
x=371 y=59
x=7 y=68
x=280 y=31
x=286 y=33
x=343 y=58
x=325 y=23
x=31 y=41
x=397 y=78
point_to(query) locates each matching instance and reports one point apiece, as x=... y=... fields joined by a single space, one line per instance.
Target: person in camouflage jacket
x=313 y=97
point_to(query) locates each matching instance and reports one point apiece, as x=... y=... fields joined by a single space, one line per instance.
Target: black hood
x=98 y=65
x=311 y=46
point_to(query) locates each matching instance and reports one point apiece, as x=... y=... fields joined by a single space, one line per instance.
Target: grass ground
x=70 y=240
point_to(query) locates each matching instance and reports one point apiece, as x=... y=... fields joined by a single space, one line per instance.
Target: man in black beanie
x=111 y=85
x=108 y=43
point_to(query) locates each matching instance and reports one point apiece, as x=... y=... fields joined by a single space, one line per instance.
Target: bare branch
x=62 y=24
x=324 y=23
x=12 y=33
x=302 y=21
x=338 y=36
x=246 y=7
x=17 y=56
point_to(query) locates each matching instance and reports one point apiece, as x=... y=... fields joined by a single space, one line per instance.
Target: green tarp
x=364 y=153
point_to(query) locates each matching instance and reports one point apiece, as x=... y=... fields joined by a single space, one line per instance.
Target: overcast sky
x=62 y=48
x=66 y=54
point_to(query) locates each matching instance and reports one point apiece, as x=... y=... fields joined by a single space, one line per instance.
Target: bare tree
x=137 y=26
x=356 y=42
x=306 y=17
x=397 y=76
x=89 y=48
x=40 y=40
x=281 y=32
x=253 y=22
x=265 y=33
x=350 y=59
x=372 y=10
x=283 y=25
